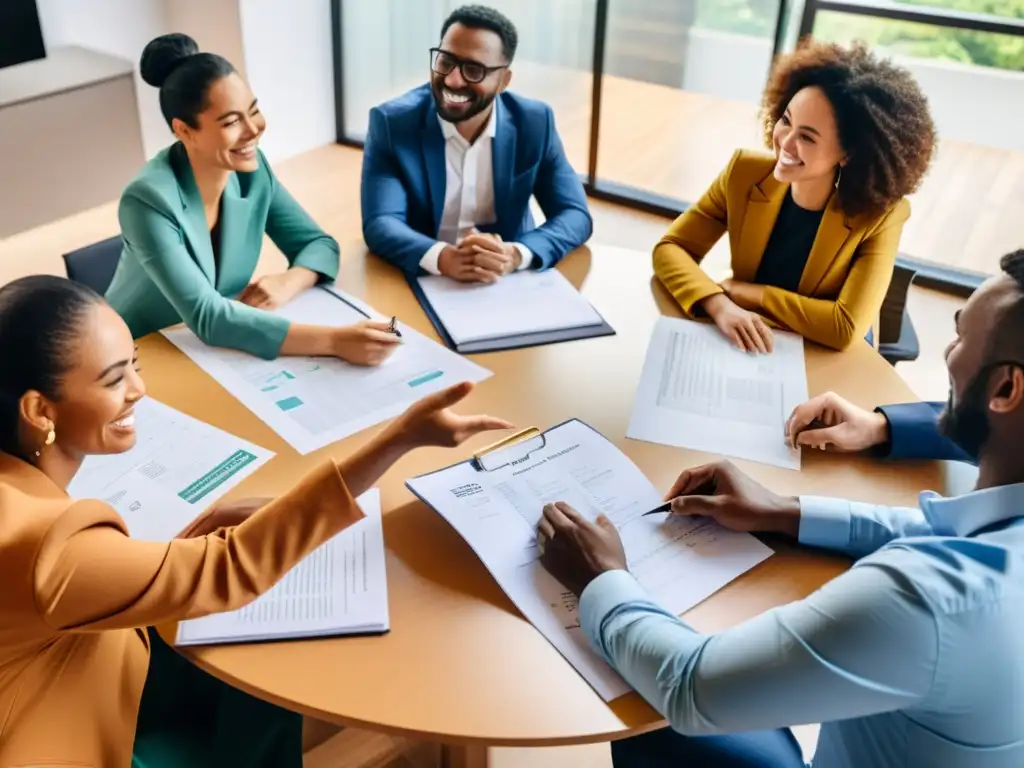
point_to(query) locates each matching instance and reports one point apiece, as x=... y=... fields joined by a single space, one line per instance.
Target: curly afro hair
x=885 y=126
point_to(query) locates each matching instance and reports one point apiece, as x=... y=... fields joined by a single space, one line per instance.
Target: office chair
x=95 y=264
x=897 y=339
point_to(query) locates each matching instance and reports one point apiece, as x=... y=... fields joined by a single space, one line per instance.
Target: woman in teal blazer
x=193 y=223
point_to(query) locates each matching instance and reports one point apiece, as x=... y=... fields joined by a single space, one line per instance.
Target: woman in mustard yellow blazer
x=813 y=227
x=82 y=681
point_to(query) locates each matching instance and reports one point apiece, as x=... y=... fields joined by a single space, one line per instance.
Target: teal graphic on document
x=425 y=378
x=289 y=403
x=276 y=380
x=217 y=476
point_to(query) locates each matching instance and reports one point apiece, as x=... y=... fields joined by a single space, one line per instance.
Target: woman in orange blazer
x=78 y=593
x=813 y=227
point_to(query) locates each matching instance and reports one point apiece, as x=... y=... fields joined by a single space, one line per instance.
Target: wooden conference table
x=460 y=665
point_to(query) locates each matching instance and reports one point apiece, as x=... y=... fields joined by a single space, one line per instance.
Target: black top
x=789 y=246
x=215 y=236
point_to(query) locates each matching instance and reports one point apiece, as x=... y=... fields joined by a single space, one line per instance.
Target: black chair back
x=95 y=264
x=897 y=338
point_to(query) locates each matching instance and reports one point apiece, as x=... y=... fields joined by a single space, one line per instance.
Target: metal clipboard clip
x=512 y=449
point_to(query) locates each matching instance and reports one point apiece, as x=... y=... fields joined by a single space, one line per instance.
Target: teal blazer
x=167 y=273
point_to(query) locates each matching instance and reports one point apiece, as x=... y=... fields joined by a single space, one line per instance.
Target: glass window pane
x=967 y=213
x=682 y=89
x=386 y=43
x=1007 y=9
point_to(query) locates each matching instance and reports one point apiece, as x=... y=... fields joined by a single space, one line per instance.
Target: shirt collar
x=965 y=515
x=449 y=131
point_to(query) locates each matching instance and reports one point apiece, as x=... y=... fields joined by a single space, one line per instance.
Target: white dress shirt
x=468 y=191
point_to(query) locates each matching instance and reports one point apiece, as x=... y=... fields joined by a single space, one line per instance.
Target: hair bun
x=163 y=55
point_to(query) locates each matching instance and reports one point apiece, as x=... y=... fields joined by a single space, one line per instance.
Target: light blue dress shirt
x=913 y=657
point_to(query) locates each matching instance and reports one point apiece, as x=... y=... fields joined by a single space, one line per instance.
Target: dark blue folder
x=517 y=341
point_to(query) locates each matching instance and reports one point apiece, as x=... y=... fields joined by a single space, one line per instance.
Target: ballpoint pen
x=393 y=328
x=707 y=489
x=667 y=506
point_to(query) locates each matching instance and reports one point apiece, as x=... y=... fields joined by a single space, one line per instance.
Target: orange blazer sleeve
x=678 y=254
x=839 y=323
x=89 y=575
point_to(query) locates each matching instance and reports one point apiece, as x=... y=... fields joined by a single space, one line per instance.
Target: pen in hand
x=708 y=489
x=393 y=327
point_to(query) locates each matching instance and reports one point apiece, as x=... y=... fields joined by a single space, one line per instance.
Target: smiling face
x=94 y=413
x=806 y=139
x=478 y=50
x=228 y=129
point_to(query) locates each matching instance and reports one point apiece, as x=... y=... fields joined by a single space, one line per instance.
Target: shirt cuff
x=883 y=450
x=824 y=522
x=602 y=596
x=431 y=258
x=527 y=255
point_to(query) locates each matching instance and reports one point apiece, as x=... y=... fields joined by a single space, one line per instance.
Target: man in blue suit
x=449 y=167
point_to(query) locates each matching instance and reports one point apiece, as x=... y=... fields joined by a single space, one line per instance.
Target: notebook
x=520 y=310
x=338 y=589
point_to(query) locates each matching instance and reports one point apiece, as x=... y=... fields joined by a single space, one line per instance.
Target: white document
x=178 y=467
x=699 y=391
x=340 y=588
x=517 y=304
x=312 y=402
x=680 y=561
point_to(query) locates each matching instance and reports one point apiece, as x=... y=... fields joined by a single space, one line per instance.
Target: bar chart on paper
x=312 y=402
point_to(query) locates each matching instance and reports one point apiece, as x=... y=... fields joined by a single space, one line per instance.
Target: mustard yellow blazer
x=843 y=283
x=78 y=594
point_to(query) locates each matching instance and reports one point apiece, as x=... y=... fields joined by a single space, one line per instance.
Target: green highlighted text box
x=217 y=476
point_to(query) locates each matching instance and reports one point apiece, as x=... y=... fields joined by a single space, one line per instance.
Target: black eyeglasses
x=444 y=63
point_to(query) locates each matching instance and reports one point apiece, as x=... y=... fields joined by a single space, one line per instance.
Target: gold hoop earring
x=50 y=437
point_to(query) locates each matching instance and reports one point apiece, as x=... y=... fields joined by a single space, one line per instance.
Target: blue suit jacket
x=403 y=183
x=914 y=433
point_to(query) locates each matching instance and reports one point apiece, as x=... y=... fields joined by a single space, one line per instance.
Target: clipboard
x=516 y=341
x=511 y=450
x=514 y=449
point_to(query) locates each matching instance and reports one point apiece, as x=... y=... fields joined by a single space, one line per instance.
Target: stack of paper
x=521 y=309
x=178 y=467
x=338 y=589
x=312 y=402
x=699 y=391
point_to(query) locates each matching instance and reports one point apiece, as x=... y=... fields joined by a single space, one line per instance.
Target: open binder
x=511 y=341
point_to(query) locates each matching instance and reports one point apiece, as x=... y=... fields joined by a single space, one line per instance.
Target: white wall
x=283 y=48
x=215 y=25
x=118 y=27
x=289 y=63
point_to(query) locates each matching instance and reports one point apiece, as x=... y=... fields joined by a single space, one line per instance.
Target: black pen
x=666 y=507
x=707 y=489
x=393 y=328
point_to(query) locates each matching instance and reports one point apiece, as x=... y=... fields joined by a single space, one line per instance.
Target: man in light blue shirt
x=914 y=657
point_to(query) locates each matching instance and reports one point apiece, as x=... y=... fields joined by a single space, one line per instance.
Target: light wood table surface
x=460 y=665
